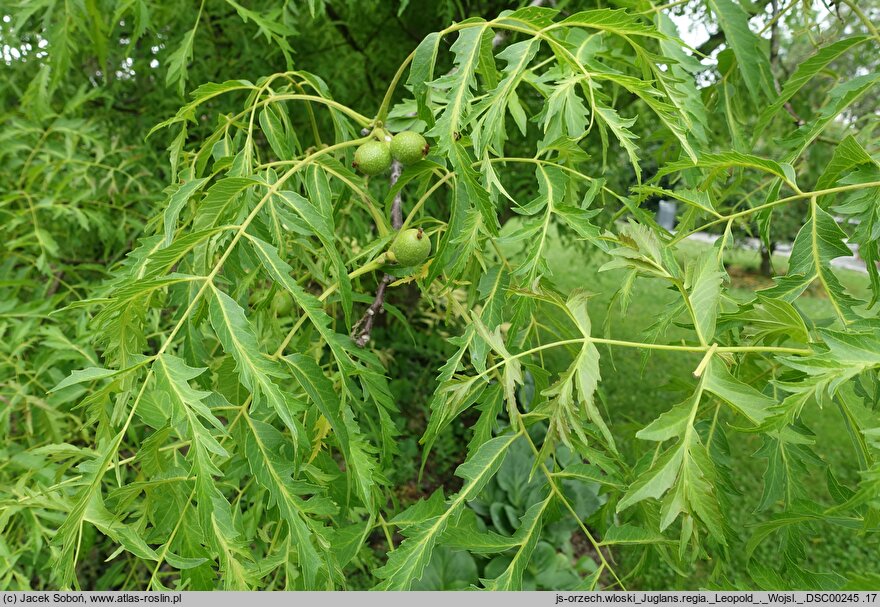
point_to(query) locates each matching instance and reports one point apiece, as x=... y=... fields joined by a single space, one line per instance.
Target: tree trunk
x=766 y=260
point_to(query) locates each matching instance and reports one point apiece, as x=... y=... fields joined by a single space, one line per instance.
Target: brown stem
x=362 y=329
x=364 y=326
x=397 y=204
x=56 y=282
x=774 y=34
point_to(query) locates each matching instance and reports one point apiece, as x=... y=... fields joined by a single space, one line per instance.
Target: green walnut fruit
x=372 y=158
x=410 y=248
x=408 y=147
x=282 y=303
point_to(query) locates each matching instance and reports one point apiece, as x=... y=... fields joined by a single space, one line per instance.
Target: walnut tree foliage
x=161 y=416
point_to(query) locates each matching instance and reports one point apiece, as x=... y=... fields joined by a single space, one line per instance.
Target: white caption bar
x=462 y=599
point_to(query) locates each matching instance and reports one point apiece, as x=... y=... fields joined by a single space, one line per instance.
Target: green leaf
x=742 y=397
x=806 y=71
x=407 y=563
x=697 y=494
x=847 y=155
x=618 y=22
x=271 y=465
x=565 y=115
x=535 y=232
x=751 y=55
x=786 y=464
x=658 y=479
x=468 y=536
x=176 y=202
x=651 y=97
x=630 y=534
x=818 y=242
x=489 y=114
x=681 y=86
x=853 y=348
x=187 y=404
x=773 y=321
x=421 y=73
x=619 y=127
x=726 y=160
x=279 y=270
x=458 y=86
x=704 y=285
x=84 y=375
x=859 y=205
x=320 y=391
x=527 y=535
x=126 y=536
x=589 y=473
x=586 y=365
x=272 y=123
x=841 y=97
x=318 y=216
x=220 y=201
x=685 y=470
x=448 y=570
x=670 y=424
x=512 y=374
x=696 y=198
x=638 y=248
x=178 y=61
x=256 y=371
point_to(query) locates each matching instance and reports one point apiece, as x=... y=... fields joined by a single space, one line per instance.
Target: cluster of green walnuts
x=374 y=157
x=412 y=246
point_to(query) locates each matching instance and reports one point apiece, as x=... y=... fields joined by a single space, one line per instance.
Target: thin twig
x=364 y=326
x=56 y=282
x=397 y=204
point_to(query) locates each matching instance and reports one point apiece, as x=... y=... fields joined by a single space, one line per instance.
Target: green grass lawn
x=636 y=395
